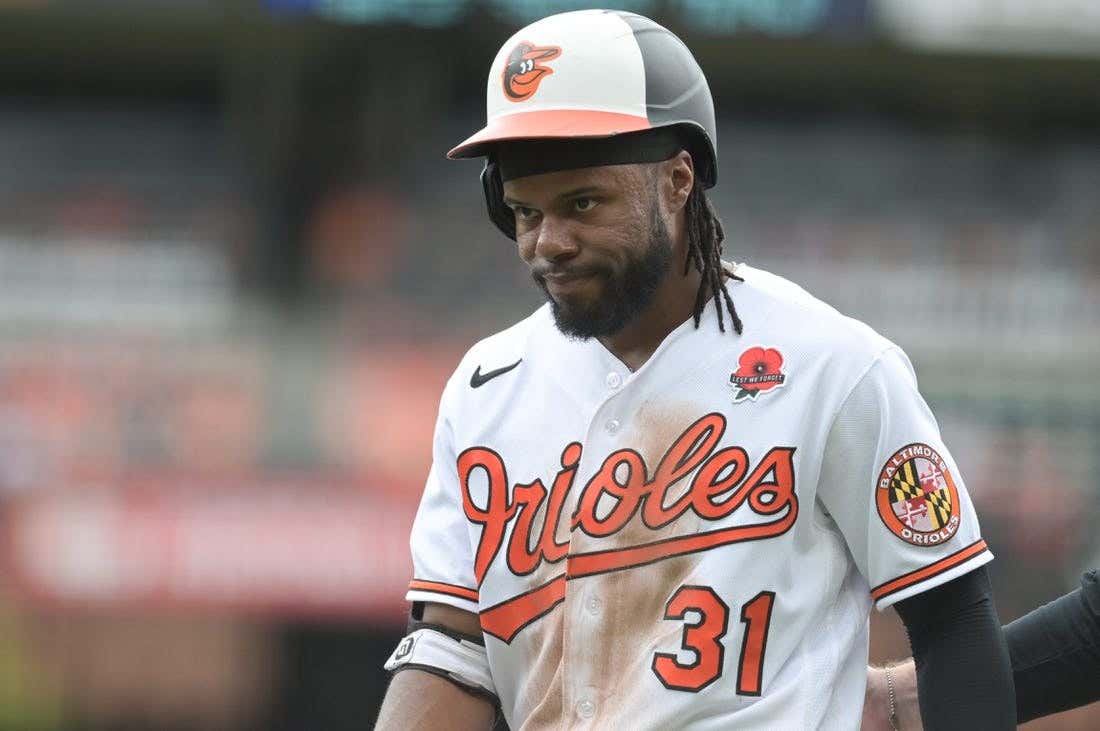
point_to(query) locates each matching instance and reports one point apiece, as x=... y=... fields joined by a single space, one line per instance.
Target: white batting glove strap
x=463 y=661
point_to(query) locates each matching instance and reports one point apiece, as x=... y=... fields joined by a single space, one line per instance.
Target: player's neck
x=671 y=307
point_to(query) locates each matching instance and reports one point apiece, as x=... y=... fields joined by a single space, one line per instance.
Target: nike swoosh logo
x=479 y=379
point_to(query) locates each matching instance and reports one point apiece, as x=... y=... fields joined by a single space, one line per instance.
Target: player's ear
x=677 y=178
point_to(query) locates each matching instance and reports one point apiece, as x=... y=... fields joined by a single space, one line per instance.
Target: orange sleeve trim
x=919 y=575
x=440 y=588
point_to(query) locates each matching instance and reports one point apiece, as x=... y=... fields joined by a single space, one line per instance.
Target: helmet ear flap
x=493 y=187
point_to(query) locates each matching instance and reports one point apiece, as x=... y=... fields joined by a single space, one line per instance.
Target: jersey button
x=586 y=708
x=594 y=606
x=613 y=380
x=612 y=426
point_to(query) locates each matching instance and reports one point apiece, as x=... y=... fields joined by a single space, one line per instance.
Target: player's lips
x=564 y=280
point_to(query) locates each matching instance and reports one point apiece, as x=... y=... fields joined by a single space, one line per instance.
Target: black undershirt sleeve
x=964 y=678
x=1055 y=652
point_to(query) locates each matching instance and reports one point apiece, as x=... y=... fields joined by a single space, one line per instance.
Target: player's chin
x=584 y=322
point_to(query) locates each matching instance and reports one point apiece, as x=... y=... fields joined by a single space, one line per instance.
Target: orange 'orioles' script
x=723 y=482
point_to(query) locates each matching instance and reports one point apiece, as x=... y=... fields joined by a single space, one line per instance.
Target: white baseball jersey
x=695 y=544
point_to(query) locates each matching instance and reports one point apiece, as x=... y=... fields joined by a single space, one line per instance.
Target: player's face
x=595 y=242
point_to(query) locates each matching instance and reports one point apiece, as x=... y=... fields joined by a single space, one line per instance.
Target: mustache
x=541 y=271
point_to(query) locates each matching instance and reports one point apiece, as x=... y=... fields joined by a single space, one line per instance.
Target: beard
x=626 y=292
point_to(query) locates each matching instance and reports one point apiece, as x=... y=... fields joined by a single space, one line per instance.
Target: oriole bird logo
x=523 y=73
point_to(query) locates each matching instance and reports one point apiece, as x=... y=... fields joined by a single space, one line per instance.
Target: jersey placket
x=599 y=610
x=585 y=604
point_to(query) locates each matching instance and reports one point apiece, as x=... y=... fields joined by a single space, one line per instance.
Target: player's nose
x=555 y=239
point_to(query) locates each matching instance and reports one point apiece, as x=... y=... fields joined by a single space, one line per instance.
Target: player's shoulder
x=805 y=323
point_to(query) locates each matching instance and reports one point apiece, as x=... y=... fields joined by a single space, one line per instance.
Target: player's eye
x=584 y=205
x=523 y=213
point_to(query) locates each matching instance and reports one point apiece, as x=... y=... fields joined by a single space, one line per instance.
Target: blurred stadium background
x=235 y=271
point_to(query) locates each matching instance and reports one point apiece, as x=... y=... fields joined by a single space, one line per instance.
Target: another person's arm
x=426 y=698
x=1055 y=653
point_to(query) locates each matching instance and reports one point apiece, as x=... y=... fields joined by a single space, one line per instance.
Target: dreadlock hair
x=704 y=240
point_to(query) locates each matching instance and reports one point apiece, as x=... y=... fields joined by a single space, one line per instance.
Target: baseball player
x=1055 y=652
x=669 y=497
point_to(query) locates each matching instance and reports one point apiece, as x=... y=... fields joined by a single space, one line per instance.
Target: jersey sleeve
x=443 y=564
x=893 y=489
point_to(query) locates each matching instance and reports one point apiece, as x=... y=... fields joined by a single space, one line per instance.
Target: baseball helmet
x=592 y=74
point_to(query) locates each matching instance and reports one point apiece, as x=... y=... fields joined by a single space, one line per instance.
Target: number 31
x=705 y=639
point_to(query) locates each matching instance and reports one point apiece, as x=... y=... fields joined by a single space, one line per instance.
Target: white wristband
x=464 y=662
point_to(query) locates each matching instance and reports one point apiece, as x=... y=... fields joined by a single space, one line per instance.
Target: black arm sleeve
x=1055 y=652
x=964 y=679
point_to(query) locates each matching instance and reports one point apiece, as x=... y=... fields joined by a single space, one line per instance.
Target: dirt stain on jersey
x=540 y=698
x=633 y=623
x=540 y=702
x=629 y=624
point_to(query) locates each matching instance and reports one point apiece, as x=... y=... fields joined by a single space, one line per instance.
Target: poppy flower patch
x=759 y=370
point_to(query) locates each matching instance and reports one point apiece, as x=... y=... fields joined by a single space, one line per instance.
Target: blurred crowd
x=162 y=390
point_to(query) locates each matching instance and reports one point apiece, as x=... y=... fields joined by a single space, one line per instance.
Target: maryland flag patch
x=916 y=496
